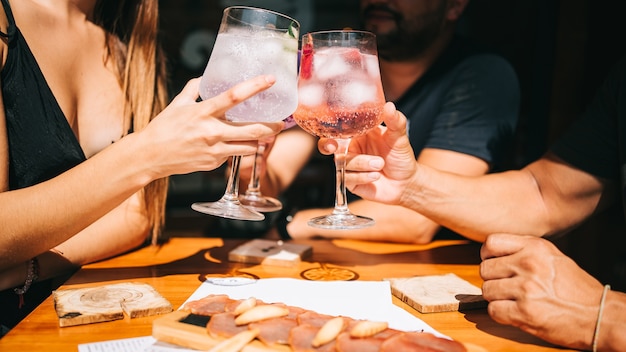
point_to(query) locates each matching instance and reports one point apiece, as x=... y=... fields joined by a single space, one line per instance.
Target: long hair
x=132 y=44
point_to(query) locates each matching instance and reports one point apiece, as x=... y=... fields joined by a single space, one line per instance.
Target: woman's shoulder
x=4 y=21
x=4 y=30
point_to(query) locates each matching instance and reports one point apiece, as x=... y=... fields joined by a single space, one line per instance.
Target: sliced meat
x=294 y=312
x=209 y=305
x=274 y=331
x=346 y=343
x=420 y=341
x=222 y=325
x=313 y=318
x=301 y=338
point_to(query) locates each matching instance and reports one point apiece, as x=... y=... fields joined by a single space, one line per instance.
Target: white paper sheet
x=136 y=344
x=356 y=299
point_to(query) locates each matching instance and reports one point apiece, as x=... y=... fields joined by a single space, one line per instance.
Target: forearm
x=40 y=217
x=291 y=151
x=51 y=264
x=478 y=206
x=393 y=224
x=121 y=230
x=124 y=228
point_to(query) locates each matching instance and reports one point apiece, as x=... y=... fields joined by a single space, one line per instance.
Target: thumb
x=394 y=119
x=327 y=146
x=189 y=91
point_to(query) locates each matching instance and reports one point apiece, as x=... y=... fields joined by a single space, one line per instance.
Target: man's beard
x=410 y=38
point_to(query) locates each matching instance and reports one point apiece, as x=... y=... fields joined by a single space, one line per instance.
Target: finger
x=394 y=119
x=354 y=179
x=496 y=268
x=189 y=91
x=243 y=148
x=364 y=163
x=250 y=131
x=219 y=104
x=501 y=289
x=327 y=146
x=504 y=312
x=498 y=245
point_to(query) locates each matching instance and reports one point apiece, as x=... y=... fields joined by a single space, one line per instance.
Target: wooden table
x=176 y=269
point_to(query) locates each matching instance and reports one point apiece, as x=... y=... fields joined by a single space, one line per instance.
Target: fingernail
x=270 y=79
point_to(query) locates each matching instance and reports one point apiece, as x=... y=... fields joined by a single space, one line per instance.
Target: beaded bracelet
x=594 y=344
x=31 y=276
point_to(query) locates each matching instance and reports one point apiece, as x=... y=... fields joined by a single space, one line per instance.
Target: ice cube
x=311 y=95
x=326 y=67
x=371 y=66
x=271 y=47
x=220 y=70
x=358 y=92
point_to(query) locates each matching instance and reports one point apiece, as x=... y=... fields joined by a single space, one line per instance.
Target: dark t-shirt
x=596 y=142
x=467 y=102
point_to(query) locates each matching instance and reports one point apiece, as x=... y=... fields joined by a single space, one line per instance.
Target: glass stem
x=254 y=187
x=232 y=188
x=341 y=202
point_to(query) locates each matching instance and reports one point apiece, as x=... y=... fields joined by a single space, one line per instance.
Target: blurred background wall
x=561 y=51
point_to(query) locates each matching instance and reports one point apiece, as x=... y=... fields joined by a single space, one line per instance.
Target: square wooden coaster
x=437 y=293
x=108 y=302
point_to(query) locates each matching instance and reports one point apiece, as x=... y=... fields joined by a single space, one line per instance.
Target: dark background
x=561 y=51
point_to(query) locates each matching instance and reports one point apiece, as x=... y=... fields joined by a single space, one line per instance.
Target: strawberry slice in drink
x=306 y=61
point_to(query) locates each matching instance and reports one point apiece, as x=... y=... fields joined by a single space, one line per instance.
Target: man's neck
x=399 y=76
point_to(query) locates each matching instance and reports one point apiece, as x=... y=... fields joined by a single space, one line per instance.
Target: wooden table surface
x=176 y=268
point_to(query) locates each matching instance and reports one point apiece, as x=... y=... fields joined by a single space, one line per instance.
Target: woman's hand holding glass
x=250 y=42
x=189 y=136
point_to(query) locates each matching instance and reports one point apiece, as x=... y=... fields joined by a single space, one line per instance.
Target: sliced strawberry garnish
x=306 y=61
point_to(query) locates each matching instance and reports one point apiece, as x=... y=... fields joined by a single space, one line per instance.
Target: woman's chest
x=82 y=80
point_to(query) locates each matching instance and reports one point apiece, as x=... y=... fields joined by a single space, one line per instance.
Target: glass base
x=228 y=209
x=341 y=222
x=260 y=203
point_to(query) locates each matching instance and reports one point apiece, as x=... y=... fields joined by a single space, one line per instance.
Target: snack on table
x=277 y=326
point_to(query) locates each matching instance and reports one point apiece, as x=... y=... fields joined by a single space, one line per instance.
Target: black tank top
x=42 y=144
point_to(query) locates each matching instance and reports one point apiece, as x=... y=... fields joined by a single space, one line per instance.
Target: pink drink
x=339 y=92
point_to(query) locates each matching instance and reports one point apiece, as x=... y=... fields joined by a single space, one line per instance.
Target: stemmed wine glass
x=251 y=42
x=253 y=198
x=340 y=96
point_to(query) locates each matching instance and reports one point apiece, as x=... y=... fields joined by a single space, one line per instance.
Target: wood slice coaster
x=109 y=302
x=437 y=293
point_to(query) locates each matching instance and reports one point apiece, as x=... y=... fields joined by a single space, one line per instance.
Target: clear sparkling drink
x=340 y=95
x=241 y=55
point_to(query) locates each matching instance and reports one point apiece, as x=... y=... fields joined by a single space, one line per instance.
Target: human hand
x=381 y=163
x=530 y=284
x=190 y=136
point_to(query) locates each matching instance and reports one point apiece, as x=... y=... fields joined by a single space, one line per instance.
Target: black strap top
x=42 y=144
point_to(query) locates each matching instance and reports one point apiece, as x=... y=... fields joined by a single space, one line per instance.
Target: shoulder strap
x=10 y=20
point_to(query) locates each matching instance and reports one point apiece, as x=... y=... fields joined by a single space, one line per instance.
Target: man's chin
x=380 y=27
